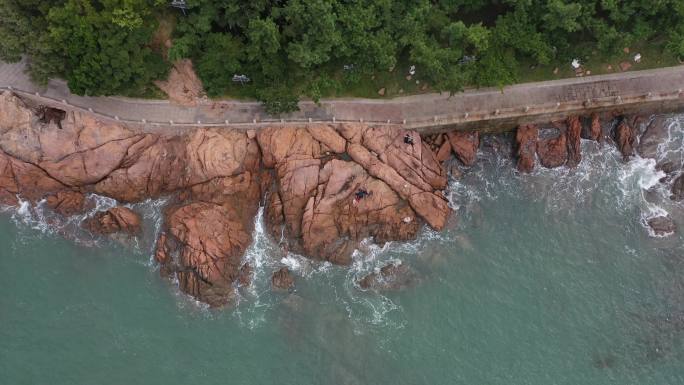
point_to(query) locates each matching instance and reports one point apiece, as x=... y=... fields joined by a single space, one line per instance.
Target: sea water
x=546 y=278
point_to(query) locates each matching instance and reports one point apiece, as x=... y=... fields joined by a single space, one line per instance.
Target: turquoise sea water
x=548 y=278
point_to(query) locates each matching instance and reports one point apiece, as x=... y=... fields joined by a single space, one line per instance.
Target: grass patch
x=653 y=55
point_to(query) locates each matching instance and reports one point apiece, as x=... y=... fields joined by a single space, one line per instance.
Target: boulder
x=573 y=133
x=115 y=220
x=662 y=225
x=526 y=147
x=210 y=240
x=465 y=145
x=282 y=279
x=625 y=137
x=390 y=277
x=678 y=188
x=655 y=134
x=444 y=151
x=66 y=202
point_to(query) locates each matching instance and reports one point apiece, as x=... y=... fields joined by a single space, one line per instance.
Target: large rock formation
x=327 y=186
x=526 y=147
x=465 y=145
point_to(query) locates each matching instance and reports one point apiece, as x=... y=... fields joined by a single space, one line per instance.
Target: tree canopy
x=293 y=48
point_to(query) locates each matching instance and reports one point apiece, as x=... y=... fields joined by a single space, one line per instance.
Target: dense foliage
x=290 y=48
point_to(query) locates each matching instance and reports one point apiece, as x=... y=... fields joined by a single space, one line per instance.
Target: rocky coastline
x=324 y=187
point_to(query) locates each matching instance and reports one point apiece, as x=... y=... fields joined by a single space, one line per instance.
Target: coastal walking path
x=416 y=111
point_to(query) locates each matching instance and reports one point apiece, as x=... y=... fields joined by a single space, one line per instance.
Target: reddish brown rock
x=18 y=178
x=335 y=220
x=115 y=220
x=390 y=277
x=432 y=208
x=245 y=275
x=625 y=137
x=161 y=252
x=573 y=133
x=415 y=162
x=295 y=155
x=553 y=152
x=444 y=151
x=328 y=137
x=66 y=202
x=595 y=128
x=526 y=147
x=465 y=145
x=211 y=240
x=282 y=279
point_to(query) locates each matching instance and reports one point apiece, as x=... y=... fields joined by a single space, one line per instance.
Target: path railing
x=474 y=115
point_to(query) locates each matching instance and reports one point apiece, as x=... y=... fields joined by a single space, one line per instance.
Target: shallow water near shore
x=548 y=278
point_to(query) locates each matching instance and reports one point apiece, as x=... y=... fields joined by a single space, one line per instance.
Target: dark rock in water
x=390 y=277
x=655 y=134
x=115 y=220
x=604 y=362
x=465 y=145
x=66 y=202
x=573 y=141
x=678 y=189
x=662 y=225
x=553 y=152
x=526 y=147
x=625 y=137
x=591 y=128
x=282 y=279
x=245 y=275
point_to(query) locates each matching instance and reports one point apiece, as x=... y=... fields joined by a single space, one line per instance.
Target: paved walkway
x=565 y=95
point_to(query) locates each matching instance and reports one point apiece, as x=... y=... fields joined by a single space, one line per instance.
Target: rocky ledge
x=324 y=187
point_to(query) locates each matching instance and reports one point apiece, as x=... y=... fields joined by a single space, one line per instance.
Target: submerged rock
x=390 y=277
x=282 y=279
x=662 y=225
x=115 y=220
x=526 y=147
